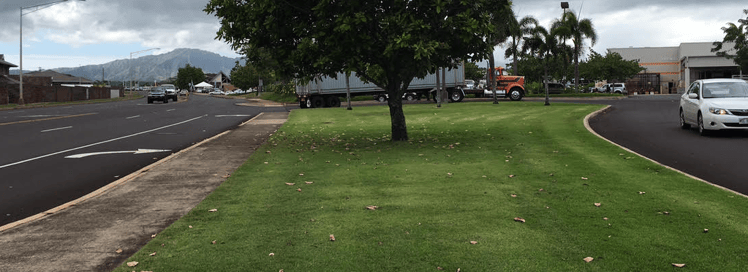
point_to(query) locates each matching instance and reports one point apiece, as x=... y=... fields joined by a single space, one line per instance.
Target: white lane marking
x=99 y=143
x=131 y=117
x=134 y=152
x=235 y=115
x=38 y=116
x=171 y=110
x=48 y=130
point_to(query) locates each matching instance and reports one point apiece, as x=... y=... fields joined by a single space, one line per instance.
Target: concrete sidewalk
x=99 y=231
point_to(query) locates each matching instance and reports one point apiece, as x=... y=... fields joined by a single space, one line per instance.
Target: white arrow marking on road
x=43 y=131
x=139 y=151
x=235 y=115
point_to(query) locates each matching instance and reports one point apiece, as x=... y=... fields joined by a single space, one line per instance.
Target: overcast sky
x=98 y=31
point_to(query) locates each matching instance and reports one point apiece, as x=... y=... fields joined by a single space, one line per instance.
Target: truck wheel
x=175 y=98
x=333 y=101
x=410 y=97
x=303 y=104
x=166 y=100
x=317 y=102
x=456 y=96
x=381 y=98
x=150 y=101
x=515 y=94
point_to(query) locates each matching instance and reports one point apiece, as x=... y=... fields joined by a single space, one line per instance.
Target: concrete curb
x=112 y=185
x=589 y=128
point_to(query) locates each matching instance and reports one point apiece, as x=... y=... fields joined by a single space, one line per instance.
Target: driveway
x=649 y=126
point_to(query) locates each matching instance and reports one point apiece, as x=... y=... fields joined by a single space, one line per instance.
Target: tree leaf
x=519 y=219
x=332 y=238
x=213 y=210
x=598 y=204
x=290 y=183
x=473 y=242
x=588 y=259
x=679 y=265
x=372 y=207
x=132 y=264
x=119 y=251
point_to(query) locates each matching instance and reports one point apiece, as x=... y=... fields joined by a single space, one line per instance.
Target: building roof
x=58 y=77
x=5 y=63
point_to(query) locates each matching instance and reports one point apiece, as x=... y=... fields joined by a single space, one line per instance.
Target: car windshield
x=725 y=89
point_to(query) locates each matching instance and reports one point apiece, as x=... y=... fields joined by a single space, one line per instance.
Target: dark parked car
x=157 y=94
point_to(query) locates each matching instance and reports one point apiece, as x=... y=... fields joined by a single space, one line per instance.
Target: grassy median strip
x=479 y=187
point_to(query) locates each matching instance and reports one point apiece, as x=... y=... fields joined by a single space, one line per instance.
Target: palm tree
x=500 y=35
x=544 y=45
x=518 y=30
x=571 y=27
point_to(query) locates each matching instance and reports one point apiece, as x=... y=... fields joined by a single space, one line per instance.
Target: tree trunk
x=516 y=69
x=545 y=80
x=395 y=101
x=576 y=67
x=438 y=92
x=492 y=77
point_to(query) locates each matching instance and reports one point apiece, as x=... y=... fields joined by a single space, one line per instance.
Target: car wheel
x=702 y=131
x=150 y=101
x=515 y=94
x=166 y=100
x=175 y=98
x=683 y=123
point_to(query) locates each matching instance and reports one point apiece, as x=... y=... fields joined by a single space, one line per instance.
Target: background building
x=672 y=69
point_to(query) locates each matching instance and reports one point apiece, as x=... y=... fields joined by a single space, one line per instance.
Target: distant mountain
x=155 y=67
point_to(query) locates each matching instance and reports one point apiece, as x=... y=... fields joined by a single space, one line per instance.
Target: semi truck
x=512 y=87
x=328 y=92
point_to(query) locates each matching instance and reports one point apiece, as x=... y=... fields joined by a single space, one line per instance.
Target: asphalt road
x=36 y=172
x=649 y=126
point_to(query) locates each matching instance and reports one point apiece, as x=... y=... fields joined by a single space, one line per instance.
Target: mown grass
x=467 y=172
x=577 y=95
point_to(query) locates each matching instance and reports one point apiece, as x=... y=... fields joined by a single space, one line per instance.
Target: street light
x=34 y=8
x=129 y=68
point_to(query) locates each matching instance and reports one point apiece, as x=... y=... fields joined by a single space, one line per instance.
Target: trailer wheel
x=333 y=101
x=303 y=104
x=456 y=95
x=515 y=94
x=317 y=102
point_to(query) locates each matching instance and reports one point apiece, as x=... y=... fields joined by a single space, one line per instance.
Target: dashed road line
x=47 y=119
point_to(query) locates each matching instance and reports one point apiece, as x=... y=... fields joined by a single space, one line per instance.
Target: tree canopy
x=387 y=43
x=187 y=75
x=576 y=29
x=609 y=67
x=735 y=35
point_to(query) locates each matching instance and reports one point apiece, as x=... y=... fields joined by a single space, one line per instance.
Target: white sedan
x=715 y=104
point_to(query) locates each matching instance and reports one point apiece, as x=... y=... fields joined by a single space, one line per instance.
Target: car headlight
x=718 y=111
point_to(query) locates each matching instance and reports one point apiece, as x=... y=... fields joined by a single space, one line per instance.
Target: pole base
x=20 y=101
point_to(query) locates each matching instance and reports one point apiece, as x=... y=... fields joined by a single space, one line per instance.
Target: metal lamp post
x=129 y=68
x=31 y=9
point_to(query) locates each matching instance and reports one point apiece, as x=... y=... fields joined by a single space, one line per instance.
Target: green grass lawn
x=468 y=171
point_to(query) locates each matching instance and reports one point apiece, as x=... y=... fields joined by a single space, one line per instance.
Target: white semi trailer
x=328 y=92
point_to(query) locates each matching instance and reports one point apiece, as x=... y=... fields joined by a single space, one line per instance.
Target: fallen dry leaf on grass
x=540 y=190
x=190 y=226
x=268 y=152
x=439 y=268
x=332 y=237
x=119 y=251
x=513 y=195
x=213 y=242
x=153 y=254
x=641 y=193
x=583 y=178
x=132 y=264
x=511 y=176
x=290 y=183
x=271 y=254
x=519 y=219
x=298 y=189
x=153 y=236
x=679 y=265
x=473 y=242
x=706 y=230
x=598 y=204
x=372 y=207
x=605 y=218
x=588 y=259
x=308 y=182
x=301 y=174
x=213 y=210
